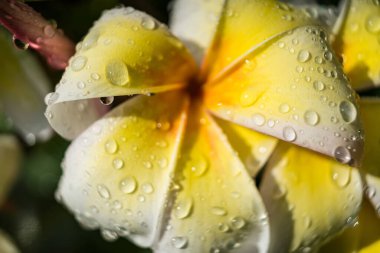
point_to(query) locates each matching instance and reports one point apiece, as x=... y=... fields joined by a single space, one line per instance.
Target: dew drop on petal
x=258 y=119
x=183 y=208
x=106 y=100
x=319 y=85
x=237 y=223
x=303 y=56
x=179 y=242
x=372 y=24
x=19 y=44
x=147 y=188
x=111 y=146
x=311 y=118
x=103 y=191
x=289 y=134
x=341 y=176
x=218 y=211
x=148 y=23
x=117 y=73
x=128 y=185
x=118 y=163
x=284 y=108
x=78 y=63
x=348 y=111
x=342 y=155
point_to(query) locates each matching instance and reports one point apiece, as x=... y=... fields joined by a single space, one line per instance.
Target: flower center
x=194 y=88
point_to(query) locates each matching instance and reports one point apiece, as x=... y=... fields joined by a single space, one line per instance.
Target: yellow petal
x=23 y=85
x=117 y=173
x=126 y=52
x=195 y=22
x=370 y=111
x=309 y=198
x=217 y=207
x=359 y=43
x=10 y=160
x=364 y=237
x=245 y=24
x=253 y=148
x=293 y=89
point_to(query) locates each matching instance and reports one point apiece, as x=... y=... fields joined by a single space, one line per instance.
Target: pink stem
x=30 y=27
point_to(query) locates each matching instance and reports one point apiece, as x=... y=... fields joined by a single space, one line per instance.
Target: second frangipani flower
x=173 y=167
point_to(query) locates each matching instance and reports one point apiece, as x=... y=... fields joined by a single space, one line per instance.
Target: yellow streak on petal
x=309 y=197
x=359 y=43
x=246 y=23
x=294 y=89
x=217 y=206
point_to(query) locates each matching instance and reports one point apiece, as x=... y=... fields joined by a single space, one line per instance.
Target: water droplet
x=51 y=98
x=318 y=60
x=281 y=44
x=19 y=44
x=128 y=185
x=348 y=111
x=90 y=40
x=219 y=211
x=289 y=134
x=237 y=223
x=148 y=23
x=179 y=242
x=109 y=235
x=49 y=31
x=103 y=191
x=284 y=108
x=223 y=227
x=199 y=165
x=111 y=146
x=372 y=24
x=328 y=56
x=303 y=56
x=117 y=73
x=106 y=100
x=258 y=119
x=311 y=118
x=183 y=208
x=247 y=98
x=342 y=154
x=81 y=85
x=147 y=188
x=319 y=85
x=78 y=63
x=147 y=164
x=95 y=76
x=141 y=198
x=118 y=163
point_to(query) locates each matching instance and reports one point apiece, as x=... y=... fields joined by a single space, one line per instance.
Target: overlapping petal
x=364 y=237
x=293 y=89
x=370 y=111
x=195 y=22
x=117 y=174
x=23 y=84
x=126 y=52
x=6 y=244
x=10 y=159
x=253 y=148
x=244 y=25
x=358 y=41
x=309 y=198
x=217 y=207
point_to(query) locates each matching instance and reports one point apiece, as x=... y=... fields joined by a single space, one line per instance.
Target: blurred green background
x=31 y=216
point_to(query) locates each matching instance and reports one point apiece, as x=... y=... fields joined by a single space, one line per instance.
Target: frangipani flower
x=174 y=171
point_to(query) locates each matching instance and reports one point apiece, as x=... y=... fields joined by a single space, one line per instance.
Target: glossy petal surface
x=195 y=22
x=117 y=173
x=244 y=25
x=295 y=90
x=126 y=52
x=253 y=148
x=359 y=43
x=309 y=198
x=217 y=207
